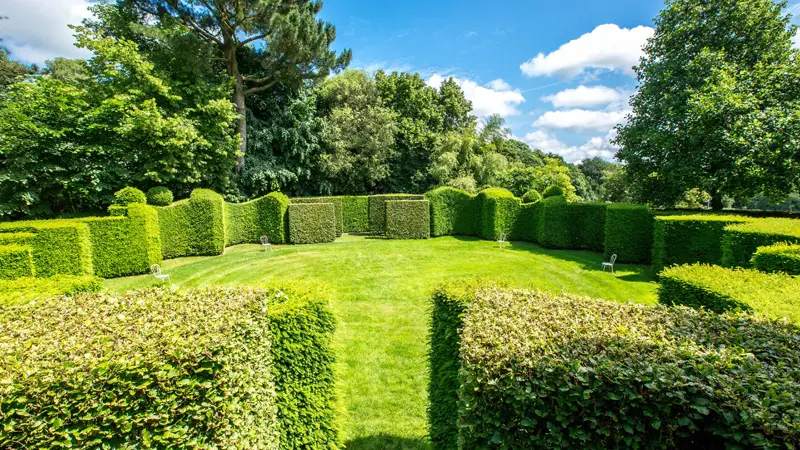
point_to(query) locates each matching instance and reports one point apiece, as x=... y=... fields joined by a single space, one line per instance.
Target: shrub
x=687 y=239
x=499 y=209
x=721 y=289
x=58 y=247
x=782 y=257
x=159 y=196
x=377 y=209
x=571 y=225
x=355 y=214
x=408 y=219
x=553 y=191
x=532 y=196
x=338 y=206
x=128 y=195
x=741 y=241
x=23 y=290
x=193 y=227
x=629 y=233
x=265 y=216
x=528 y=221
x=153 y=368
x=311 y=223
x=453 y=212
x=16 y=238
x=574 y=372
x=15 y=261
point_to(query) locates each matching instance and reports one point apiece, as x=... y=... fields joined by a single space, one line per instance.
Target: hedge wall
x=311 y=223
x=21 y=290
x=59 y=247
x=377 y=209
x=15 y=261
x=499 y=209
x=529 y=221
x=264 y=216
x=454 y=212
x=408 y=219
x=629 y=233
x=689 y=239
x=355 y=214
x=780 y=257
x=193 y=227
x=338 y=206
x=740 y=242
x=571 y=225
x=574 y=372
x=150 y=368
x=721 y=289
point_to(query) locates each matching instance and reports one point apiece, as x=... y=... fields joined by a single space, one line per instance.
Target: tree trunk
x=229 y=52
x=716 y=200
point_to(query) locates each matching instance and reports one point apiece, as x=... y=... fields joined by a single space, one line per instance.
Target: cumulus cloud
x=580 y=120
x=495 y=98
x=36 y=30
x=588 y=97
x=607 y=47
x=597 y=146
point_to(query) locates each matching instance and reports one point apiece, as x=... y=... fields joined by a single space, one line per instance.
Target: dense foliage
x=159 y=196
x=782 y=257
x=23 y=290
x=629 y=233
x=338 y=205
x=689 y=239
x=311 y=223
x=454 y=212
x=741 y=241
x=408 y=219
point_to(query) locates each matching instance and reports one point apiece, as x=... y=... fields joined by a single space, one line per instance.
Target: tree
x=718 y=106
x=553 y=173
x=70 y=71
x=291 y=44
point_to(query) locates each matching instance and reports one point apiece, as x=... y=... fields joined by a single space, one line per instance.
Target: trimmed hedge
x=311 y=223
x=499 y=209
x=159 y=196
x=740 y=242
x=529 y=221
x=721 y=289
x=193 y=227
x=23 y=290
x=377 y=209
x=58 y=247
x=453 y=212
x=532 y=196
x=780 y=257
x=355 y=214
x=537 y=370
x=265 y=216
x=565 y=225
x=128 y=195
x=15 y=261
x=688 y=239
x=337 y=204
x=553 y=191
x=629 y=233
x=408 y=219
x=150 y=368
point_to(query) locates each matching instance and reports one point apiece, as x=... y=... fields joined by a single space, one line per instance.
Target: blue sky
x=559 y=72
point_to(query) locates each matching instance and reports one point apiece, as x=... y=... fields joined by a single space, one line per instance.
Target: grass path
x=381 y=291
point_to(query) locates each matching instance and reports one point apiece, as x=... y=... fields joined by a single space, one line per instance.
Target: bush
x=571 y=225
x=688 y=239
x=153 y=368
x=58 y=247
x=377 y=209
x=529 y=221
x=265 y=216
x=532 y=196
x=128 y=195
x=499 y=209
x=22 y=290
x=193 y=227
x=15 y=261
x=355 y=214
x=741 y=241
x=629 y=233
x=782 y=257
x=408 y=219
x=453 y=212
x=311 y=223
x=553 y=191
x=338 y=206
x=159 y=196
x=574 y=372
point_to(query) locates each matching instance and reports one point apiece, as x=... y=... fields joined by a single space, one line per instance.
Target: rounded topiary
x=553 y=191
x=159 y=196
x=531 y=196
x=129 y=195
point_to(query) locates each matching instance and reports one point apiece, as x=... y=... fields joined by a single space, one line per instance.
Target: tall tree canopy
x=718 y=106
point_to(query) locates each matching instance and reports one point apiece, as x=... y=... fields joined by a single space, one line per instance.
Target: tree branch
x=189 y=21
x=251 y=39
x=259 y=88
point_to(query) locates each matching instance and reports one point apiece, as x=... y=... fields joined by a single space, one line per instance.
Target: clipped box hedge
x=355 y=213
x=149 y=368
x=721 y=289
x=15 y=261
x=454 y=212
x=688 y=239
x=537 y=370
x=193 y=227
x=377 y=209
x=741 y=241
x=21 y=290
x=58 y=247
x=629 y=233
x=338 y=206
x=565 y=225
x=499 y=209
x=312 y=223
x=781 y=257
x=265 y=216
x=408 y=219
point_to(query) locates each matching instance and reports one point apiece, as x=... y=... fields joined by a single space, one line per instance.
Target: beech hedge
x=21 y=290
x=338 y=206
x=193 y=227
x=499 y=210
x=15 y=261
x=740 y=242
x=687 y=239
x=629 y=233
x=264 y=216
x=355 y=213
x=453 y=212
x=377 y=209
x=311 y=223
x=58 y=247
x=408 y=219
x=565 y=225
x=781 y=257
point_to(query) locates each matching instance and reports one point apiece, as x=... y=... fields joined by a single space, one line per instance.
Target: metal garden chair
x=610 y=264
x=265 y=243
x=156 y=270
x=502 y=241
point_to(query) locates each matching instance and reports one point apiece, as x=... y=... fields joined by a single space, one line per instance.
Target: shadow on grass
x=387 y=442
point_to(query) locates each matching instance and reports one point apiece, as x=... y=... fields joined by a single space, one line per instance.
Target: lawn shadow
x=387 y=442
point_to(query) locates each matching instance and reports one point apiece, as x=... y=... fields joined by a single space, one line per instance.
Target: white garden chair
x=156 y=270
x=610 y=264
x=265 y=243
x=502 y=241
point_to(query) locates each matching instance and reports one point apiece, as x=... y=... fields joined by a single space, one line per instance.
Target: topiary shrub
x=159 y=196
x=454 y=212
x=191 y=369
x=377 y=209
x=740 y=241
x=58 y=247
x=782 y=257
x=265 y=216
x=688 y=239
x=532 y=196
x=128 y=195
x=15 y=261
x=565 y=225
x=408 y=219
x=338 y=206
x=629 y=233
x=355 y=214
x=22 y=290
x=499 y=209
x=311 y=223
x=553 y=191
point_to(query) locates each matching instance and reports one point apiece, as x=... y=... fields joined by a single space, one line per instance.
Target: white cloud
x=36 y=30
x=596 y=146
x=580 y=120
x=607 y=47
x=583 y=96
x=495 y=98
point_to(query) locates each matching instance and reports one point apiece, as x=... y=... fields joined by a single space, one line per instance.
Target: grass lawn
x=381 y=302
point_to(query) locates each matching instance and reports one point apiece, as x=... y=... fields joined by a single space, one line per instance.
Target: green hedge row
x=454 y=212
x=15 y=261
x=721 y=289
x=338 y=205
x=150 y=368
x=58 y=247
x=193 y=227
x=574 y=372
x=408 y=219
x=687 y=239
x=499 y=209
x=311 y=223
x=377 y=209
x=21 y=290
x=264 y=216
x=782 y=257
x=741 y=241
x=629 y=233
x=355 y=213
x=571 y=225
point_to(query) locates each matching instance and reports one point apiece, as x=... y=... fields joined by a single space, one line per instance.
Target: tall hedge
x=15 y=261
x=454 y=212
x=629 y=233
x=499 y=209
x=741 y=241
x=529 y=221
x=264 y=216
x=338 y=206
x=377 y=209
x=23 y=290
x=355 y=213
x=311 y=223
x=59 y=247
x=150 y=368
x=193 y=227
x=687 y=239
x=571 y=225
x=782 y=257
x=408 y=219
